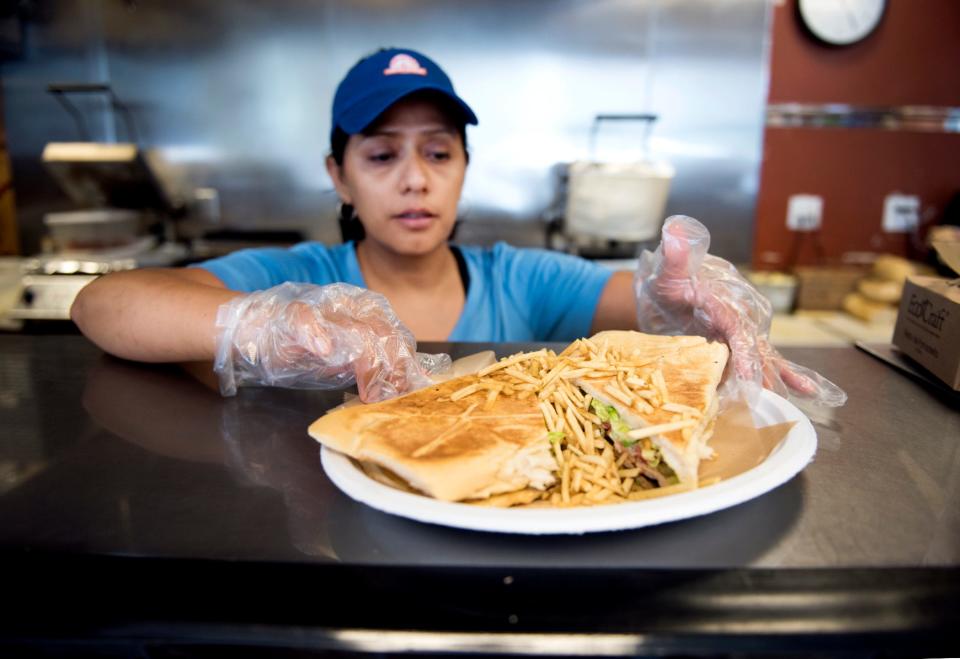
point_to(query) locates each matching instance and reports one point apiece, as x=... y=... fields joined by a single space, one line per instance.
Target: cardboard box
x=823 y=288
x=928 y=325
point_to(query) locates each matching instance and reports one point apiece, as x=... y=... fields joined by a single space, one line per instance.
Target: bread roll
x=880 y=290
x=859 y=306
x=893 y=268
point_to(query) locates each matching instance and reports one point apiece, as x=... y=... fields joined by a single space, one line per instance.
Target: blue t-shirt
x=514 y=295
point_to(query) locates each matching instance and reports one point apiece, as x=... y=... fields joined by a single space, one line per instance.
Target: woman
x=398 y=160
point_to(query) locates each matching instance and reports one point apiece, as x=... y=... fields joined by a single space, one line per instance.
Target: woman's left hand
x=681 y=289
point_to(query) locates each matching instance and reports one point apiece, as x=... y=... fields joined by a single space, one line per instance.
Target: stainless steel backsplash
x=235 y=95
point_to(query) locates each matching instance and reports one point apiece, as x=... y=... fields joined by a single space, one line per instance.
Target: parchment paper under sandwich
x=449 y=449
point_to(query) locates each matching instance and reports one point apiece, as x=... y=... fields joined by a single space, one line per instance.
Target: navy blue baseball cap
x=380 y=80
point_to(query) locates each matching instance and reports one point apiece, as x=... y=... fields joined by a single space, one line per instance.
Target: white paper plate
x=785 y=461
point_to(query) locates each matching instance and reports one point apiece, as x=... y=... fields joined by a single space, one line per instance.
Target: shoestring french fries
x=590 y=470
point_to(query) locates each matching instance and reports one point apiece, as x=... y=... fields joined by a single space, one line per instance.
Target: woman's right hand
x=319 y=337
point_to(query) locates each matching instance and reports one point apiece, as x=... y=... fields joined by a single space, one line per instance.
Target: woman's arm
x=291 y=335
x=153 y=315
x=617 y=308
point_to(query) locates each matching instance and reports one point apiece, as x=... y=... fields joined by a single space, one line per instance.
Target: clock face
x=841 y=22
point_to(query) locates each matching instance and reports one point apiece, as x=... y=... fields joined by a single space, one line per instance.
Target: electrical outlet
x=901 y=213
x=804 y=212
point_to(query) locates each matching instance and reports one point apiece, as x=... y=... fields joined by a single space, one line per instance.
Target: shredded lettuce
x=618 y=431
x=555 y=436
x=651 y=456
x=602 y=411
x=618 y=427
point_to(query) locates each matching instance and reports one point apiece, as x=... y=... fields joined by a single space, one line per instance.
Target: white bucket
x=617 y=201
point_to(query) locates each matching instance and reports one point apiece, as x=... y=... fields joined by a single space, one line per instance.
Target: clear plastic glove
x=683 y=290
x=319 y=337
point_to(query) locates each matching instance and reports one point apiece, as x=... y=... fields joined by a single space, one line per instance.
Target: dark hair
x=350 y=226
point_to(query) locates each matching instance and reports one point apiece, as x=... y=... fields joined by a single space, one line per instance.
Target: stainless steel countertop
x=122 y=458
x=140 y=510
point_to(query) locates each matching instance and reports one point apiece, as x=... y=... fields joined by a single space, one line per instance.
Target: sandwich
x=660 y=405
x=621 y=416
x=456 y=440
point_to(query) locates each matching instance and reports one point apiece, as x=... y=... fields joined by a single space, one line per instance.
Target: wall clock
x=841 y=22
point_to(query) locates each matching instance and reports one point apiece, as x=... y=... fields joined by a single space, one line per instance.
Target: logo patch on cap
x=404 y=64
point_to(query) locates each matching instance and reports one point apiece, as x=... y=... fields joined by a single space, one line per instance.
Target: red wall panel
x=912 y=59
x=853 y=170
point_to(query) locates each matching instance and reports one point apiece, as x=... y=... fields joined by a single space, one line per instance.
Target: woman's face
x=404 y=177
